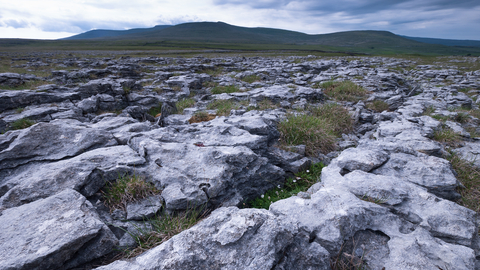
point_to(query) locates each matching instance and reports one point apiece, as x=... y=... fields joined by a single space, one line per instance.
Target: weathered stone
x=53 y=141
x=256 y=236
x=49 y=233
x=85 y=173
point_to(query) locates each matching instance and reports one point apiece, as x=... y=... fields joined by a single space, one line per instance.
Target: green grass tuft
x=126 y=189
x=343 y=91
x=318 y=130
x=185 y=103
x=448 y=137
x=223 y=106
x=224 y=89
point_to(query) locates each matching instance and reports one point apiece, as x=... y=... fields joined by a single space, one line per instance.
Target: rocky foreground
x=386 y=200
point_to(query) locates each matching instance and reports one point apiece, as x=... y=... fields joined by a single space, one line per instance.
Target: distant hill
x=101 y=33
x=226 y=33
x=201 y=36
x=447 y=42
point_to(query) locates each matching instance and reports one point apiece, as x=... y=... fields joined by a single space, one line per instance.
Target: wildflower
x=294 y=181
x=263 y=196
x=278 y=186
x=308 y=171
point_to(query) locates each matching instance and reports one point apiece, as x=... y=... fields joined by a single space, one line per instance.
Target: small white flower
x=298 y=178
x=263 y=196
x=308 y=171
x=278 y=186
x=294 y=181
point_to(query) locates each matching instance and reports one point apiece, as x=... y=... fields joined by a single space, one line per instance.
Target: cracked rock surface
x=388 y=197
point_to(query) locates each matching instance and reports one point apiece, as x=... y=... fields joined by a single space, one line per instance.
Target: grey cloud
x=352 y=7
x=79 y=26
x=15 y=23
x=176 y=20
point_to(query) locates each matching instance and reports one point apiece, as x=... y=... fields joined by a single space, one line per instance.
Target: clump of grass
x=224 y=89
x=201 y=116
x=251 y=78
x=223 y=106
x=469 y=176
x=448 y=137
x=378 y=106
x=164 y=227
x=126 y=189
x=318 y=130
x=185 y=103
x=21 y=124
x=461 y=117
x=19 y=110
x=343 y=91
x=266 y=104
x=313 y=132
x=300 y=182
x=337 y=115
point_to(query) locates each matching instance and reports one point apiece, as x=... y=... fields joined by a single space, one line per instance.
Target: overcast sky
x=51 y=19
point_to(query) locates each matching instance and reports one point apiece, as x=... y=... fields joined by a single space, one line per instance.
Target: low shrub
x=300 y=182
x=343 y=91
x=126 y=189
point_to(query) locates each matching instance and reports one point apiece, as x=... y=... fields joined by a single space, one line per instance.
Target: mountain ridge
x=202 y=31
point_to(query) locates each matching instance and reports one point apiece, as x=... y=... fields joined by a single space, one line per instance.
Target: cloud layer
x=426 y=18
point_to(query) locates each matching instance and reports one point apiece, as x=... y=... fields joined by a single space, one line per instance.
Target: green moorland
x=205 y=36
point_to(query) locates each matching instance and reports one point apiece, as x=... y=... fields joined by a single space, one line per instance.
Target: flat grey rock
x=48 y=233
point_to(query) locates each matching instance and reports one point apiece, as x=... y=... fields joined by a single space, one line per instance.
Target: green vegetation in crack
x=301 y=182
x=224 y=89
x=223 y=106
x=185 y=103
x=21 y=124
x=125 y=189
